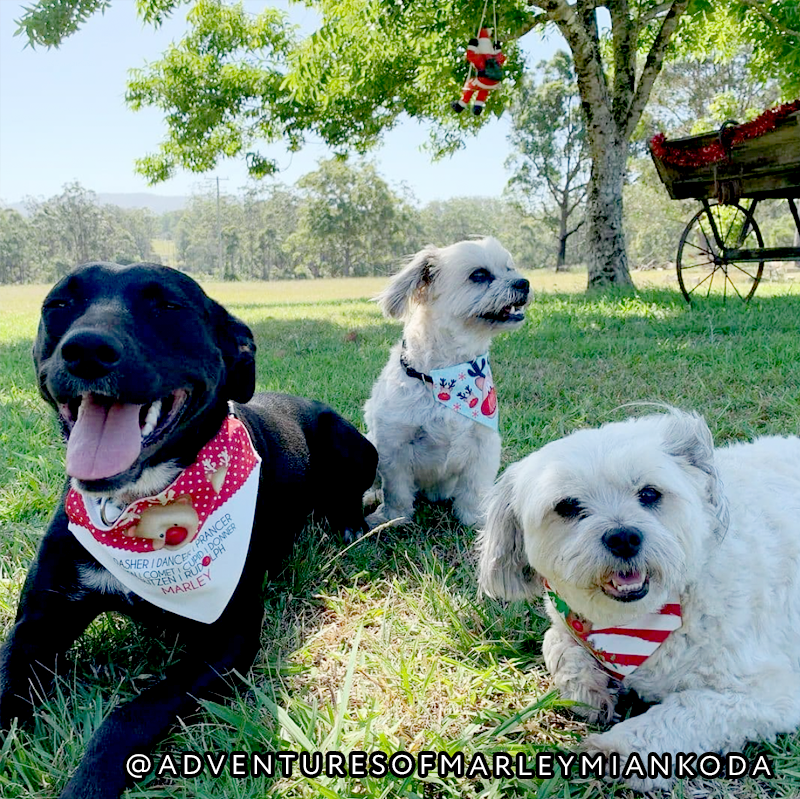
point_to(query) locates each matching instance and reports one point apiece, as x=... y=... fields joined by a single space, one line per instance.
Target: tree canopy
x=239 y=80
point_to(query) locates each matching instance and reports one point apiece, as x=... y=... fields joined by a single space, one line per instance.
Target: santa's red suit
x=487 y=58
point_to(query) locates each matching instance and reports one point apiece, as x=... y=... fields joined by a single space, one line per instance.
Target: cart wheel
x=704 y=269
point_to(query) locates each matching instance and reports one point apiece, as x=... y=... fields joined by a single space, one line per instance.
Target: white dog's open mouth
x=509 y=313
x=627 y=586
x=106 y=436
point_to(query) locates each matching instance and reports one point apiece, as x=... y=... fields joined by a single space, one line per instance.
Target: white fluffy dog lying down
x=668 y=567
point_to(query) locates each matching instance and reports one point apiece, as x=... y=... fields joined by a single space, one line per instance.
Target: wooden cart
x=721 y=251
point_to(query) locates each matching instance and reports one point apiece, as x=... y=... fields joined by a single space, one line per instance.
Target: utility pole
x=219 y=234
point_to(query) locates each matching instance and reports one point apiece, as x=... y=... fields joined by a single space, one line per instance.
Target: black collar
x=410 y=370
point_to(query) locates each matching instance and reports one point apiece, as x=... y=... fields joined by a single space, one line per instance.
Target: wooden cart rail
x=722 y=250
x=767 y=166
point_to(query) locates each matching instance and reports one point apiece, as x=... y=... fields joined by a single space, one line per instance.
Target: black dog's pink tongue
x=105 y=440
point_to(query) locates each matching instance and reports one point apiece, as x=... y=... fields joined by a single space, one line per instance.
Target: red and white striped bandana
x=621 y=650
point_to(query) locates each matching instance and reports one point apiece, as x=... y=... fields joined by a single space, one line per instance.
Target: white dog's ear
x=413 y=280
x=503 y=568
x=688 y=438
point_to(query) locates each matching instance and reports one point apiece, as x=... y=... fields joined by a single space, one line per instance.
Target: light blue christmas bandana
x=468 y=389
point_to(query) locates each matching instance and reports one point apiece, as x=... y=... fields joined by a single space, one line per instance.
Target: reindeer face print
x=445 y=389
x=468 y=389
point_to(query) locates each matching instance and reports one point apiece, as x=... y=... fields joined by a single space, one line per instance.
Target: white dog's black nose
x=624 y=542
x=521 y=285
x=89 y=354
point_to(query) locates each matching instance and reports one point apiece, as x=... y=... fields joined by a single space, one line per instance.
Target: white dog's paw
x=468 y=516
x=596 y=699
x=384 y=515
x=578 y=677
x=623 y=761
x=373 y=498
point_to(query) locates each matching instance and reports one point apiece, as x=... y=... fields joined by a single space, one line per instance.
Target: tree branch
x=653 y=13
x=652 y=66
x=555 y=190
x=588 y=12
x=579 y=198
x=578 y=26
x=529 y=24
x=759 y=8
x=570 y=232
x=623 y=32
x=550 y=6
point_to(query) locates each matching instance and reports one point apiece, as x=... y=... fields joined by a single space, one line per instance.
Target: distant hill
x=157 y=203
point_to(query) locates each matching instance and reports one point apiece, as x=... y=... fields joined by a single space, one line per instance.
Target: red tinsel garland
x=719 y=149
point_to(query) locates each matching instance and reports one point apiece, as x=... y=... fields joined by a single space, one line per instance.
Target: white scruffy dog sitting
x=646 y=517
x=453 y=301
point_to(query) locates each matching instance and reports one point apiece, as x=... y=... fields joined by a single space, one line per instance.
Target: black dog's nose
x=624 y=542
x=89 y=354
x=521 y=285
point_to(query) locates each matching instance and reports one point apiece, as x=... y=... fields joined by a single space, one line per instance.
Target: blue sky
x=63 y=118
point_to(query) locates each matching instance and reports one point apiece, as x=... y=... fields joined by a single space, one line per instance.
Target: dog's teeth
x=151 y=419
x=624 y=587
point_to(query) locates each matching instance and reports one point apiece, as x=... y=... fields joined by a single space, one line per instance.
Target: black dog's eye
x=56 y=304
x=570 y=508
x=481 y=276
x=155 y=295
x=649 y=496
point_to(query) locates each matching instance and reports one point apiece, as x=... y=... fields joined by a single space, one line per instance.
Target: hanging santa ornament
x=486 y=61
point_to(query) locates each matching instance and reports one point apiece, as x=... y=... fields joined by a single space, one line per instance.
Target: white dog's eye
x=649 y=496
x=481 y=276
x=570 y=508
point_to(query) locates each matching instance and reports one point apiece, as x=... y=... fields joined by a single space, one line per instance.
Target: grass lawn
x=386 y=646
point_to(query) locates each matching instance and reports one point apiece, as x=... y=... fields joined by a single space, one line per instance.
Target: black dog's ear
x=410 y=282
x=238 y=347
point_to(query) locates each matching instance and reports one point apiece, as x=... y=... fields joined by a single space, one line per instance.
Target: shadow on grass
x=576 y=360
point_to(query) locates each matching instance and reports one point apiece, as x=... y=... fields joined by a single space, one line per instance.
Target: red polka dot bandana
x=183 y=549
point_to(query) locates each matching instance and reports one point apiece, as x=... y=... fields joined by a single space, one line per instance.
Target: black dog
x=140 y=365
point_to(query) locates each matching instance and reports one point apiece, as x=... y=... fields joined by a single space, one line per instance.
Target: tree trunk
x=607 y=257
x=561 y=258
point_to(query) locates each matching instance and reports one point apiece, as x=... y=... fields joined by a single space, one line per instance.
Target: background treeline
x=341 y=220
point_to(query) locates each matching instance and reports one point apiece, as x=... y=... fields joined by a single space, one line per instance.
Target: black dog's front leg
x=52 y=613
x=214 y=651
